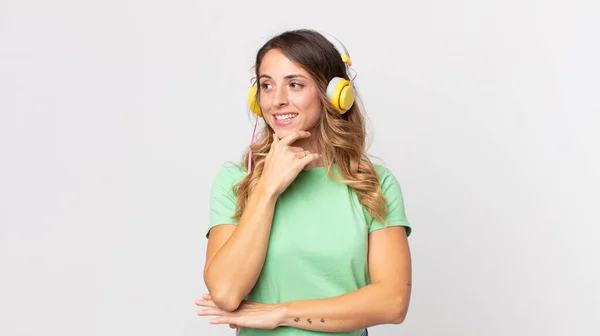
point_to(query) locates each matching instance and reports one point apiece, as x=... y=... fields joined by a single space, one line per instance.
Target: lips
x=284 y=119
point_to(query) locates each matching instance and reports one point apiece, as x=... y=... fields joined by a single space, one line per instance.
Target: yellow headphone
x=340 y=91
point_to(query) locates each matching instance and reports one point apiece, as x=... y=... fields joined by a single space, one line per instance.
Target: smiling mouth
x=285 y=117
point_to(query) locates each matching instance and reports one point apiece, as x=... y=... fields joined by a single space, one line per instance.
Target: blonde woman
x=306 y=236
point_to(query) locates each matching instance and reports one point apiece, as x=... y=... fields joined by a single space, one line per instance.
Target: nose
x=280 y=97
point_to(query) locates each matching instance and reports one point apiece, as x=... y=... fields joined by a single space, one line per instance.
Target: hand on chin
x=282 y=133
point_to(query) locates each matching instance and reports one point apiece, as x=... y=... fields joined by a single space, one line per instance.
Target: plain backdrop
x=116 y=115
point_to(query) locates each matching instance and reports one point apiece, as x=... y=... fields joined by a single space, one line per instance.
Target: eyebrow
x=286 y=77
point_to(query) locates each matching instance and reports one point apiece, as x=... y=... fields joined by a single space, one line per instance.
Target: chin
x=282 y=133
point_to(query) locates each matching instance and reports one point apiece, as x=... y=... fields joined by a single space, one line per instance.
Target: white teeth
x=285 y=116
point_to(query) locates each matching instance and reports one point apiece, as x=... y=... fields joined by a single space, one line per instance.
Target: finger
x=290 y=138
x=206 y=303
x=210 y=312
x=302 y=154
x=274 y=142
x=308 y=159
x=201 y=302
x=233 y=326
x=207 y=297
x=295 y=149
x=220 y=320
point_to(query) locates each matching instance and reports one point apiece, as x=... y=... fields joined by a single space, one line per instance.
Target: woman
x=311 y=237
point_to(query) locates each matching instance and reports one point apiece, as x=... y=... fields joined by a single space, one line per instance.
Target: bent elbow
x=223 y=296
x=226 y=302
x=399 y=310
x=398 y=318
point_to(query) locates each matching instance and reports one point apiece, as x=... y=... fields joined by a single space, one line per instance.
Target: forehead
x=276 y=64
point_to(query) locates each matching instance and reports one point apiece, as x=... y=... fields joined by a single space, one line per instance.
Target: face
x=289 y=97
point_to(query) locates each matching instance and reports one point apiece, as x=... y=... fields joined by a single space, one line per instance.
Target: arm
x=235 y=254
x=384 y=301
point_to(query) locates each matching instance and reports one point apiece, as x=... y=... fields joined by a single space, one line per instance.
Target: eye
x=296 y=85
x=265 y=85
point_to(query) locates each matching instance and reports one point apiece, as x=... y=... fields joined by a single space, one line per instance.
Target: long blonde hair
x=341 y=138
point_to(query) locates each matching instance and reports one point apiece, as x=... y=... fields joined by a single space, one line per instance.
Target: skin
x=235 y=254
x=286 y=87
x=384 y=301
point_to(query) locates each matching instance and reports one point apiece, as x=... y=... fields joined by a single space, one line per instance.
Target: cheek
x=310 y=104
x=262 y=101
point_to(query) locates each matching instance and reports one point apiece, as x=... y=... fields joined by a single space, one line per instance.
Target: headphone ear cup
x=254 y=107
x=341 y=94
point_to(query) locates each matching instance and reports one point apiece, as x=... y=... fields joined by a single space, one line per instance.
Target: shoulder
x=390 y=186
x=392 y=192
x=231 y=170
x=384 y=174
x=380 y=169
x=229 y=174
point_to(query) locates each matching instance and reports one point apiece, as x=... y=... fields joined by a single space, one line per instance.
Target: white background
x=116 y=115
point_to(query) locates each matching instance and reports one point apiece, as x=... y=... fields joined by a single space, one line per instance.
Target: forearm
x=233 y=271
x=371 y=305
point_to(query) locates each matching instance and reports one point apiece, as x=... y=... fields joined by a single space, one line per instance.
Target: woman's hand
x=248 y=315
x=284 y=162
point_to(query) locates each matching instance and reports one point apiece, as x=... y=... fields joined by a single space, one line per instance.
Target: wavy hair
x=341 y=138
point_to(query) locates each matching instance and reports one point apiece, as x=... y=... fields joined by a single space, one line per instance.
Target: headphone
x=340 y=91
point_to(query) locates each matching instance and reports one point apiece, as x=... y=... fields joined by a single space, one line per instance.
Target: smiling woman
x=289 y=99
x=306 y=235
